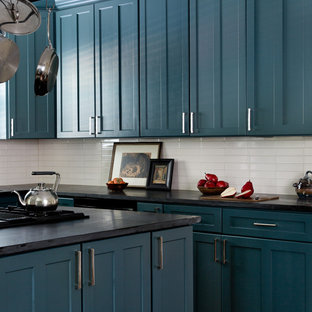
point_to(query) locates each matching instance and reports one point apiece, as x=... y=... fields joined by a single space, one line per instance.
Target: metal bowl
x=116 y=187
x=211 y=190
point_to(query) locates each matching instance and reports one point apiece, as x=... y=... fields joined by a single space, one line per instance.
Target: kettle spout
x=20 y=198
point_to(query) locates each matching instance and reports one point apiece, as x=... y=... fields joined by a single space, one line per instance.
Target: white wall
x=272 y=164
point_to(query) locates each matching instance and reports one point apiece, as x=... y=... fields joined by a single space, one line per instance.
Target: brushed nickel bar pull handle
x=224 y=252
x=12 y=127
x=91 y=132
x=98 y=122
x=249 y=119
x=78 y=269
x=192 y=122
x=265 y=224
x=160 y=253
x=91 y=267
x=183 y=122
x=215 y=250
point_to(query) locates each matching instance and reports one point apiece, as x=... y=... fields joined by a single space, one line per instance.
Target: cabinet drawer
x=280 y=225
x=210 y=216
x=150 y=207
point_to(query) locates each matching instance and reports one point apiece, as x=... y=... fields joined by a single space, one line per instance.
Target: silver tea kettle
x=41 y=198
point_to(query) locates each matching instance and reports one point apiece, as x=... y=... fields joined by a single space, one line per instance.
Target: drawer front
x=210 y=216
x=268 y=224
x=69 y=202
x=150 y=207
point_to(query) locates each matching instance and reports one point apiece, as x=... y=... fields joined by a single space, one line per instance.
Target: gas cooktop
x=15 y=216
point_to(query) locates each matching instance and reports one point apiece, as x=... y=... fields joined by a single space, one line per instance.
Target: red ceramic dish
x=116 y=187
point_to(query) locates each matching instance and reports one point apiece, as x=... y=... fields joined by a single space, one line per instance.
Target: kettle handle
x=43 y=172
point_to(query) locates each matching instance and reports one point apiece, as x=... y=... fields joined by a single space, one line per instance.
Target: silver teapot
x=41 y=198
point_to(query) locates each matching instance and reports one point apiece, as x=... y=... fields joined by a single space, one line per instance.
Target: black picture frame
x=160 y=174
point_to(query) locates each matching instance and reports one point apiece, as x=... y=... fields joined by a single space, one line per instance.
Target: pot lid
x=19 y=17
x=9 y=58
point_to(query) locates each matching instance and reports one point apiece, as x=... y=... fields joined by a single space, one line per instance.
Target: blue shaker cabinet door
x=172 y=270
x=279 y=66
x=40 y=281
x=121 y=275
x=217 y=67
x=75 y=86
x=30 y=116
x=207 y=272
x=116 y=40
x=164 y=73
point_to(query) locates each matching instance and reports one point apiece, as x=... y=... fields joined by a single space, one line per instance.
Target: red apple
x=211 y=177
x=201 y=182
x=210 y=184
x=222 y=184
x=247 y=186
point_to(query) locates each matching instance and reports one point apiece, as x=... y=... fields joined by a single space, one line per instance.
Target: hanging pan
x=19 y=17
x=47 y=68
x=9 y=58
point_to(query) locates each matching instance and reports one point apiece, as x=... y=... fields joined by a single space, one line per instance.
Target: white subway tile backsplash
x=272 y=164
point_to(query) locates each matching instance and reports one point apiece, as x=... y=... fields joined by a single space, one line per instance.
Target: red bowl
x=116 y=187
x=211 y=190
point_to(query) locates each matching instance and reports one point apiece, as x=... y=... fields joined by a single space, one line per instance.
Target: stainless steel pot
x=47 y=68
x=41 y=198
x=304 y=186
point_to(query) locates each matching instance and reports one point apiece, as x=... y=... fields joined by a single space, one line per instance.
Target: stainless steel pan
x=47 y=68
x=9 y=58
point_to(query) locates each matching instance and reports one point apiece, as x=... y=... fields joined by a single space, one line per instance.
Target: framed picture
x=131 y=161
x=160 y=174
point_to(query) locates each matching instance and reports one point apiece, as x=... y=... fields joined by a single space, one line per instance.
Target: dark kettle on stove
x=304 y=186
x=41 y=198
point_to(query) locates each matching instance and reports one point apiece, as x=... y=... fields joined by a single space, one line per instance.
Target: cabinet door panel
x=164 y=67
x=116 y=24
x=266 y=275
x=40 y=281
x=32 y=116
x=174 y=280
x=279 y=66
x=207 y=272
x=122 y=275
x=75 y=47
x=218 y=67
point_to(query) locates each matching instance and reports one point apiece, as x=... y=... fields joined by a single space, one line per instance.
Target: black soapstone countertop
x=181 y=197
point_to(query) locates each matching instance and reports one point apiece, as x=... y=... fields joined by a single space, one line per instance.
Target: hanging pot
x=19 y=17
x=47 y=68
x=9 y=58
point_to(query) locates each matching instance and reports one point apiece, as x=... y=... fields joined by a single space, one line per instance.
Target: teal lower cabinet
x=171 y=270
x=64 y=201
x=266 y=275
x=117 y=274
x=256 y=261
x=40 y=281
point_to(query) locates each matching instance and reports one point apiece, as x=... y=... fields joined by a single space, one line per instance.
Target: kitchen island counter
x=101 y=224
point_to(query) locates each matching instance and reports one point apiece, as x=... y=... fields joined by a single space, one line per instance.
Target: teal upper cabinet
x=217 y=67
x=30 y=116
x=279 y=66
x=98 y=87
x=164 y=71
x=75 y=86
x=116 y=41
